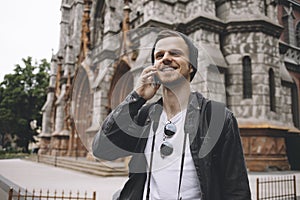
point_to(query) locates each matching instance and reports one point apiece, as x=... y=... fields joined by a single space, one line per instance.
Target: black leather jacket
x=215 y=145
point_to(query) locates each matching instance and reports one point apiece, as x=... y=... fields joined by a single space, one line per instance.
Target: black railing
x=283 y=187
x=18 y=195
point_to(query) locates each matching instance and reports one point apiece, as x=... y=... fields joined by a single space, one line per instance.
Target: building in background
x=289 y=47
x=254 y=44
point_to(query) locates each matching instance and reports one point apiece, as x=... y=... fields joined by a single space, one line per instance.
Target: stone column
x=47 y=110
x=59 y=122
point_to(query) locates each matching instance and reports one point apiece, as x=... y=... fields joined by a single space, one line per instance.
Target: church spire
x=125 y=24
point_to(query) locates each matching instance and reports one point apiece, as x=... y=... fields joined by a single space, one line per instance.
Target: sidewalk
x=32 y=175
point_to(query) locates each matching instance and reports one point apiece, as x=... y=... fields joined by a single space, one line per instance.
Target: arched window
x=265 y=8
x=247 y=78
x=98 y=24
x=298 y=34
x=295 y=106
x=272 y=90
x=288 y=24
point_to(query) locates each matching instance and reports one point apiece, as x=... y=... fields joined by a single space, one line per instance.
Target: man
x=184 y=146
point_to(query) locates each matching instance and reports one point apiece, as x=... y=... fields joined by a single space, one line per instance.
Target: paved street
x=32 y=175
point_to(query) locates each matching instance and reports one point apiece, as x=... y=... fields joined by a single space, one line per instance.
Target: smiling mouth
x=167 y=68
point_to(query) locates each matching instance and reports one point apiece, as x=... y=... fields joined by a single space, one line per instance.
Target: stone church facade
x=254 y=63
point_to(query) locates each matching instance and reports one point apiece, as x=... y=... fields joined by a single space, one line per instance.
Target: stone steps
x=100 y=168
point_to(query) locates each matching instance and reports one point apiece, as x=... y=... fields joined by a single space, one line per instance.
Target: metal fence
x=40 y=195
x=283 y=187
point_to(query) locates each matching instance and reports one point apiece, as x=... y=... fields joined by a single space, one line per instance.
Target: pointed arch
x=288 y=24
x=121 y=84
x=82 y=109
x=98 y=22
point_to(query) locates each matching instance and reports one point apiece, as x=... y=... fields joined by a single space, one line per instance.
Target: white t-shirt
x=166 y=171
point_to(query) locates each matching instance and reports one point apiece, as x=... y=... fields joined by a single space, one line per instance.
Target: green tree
x=22 y=95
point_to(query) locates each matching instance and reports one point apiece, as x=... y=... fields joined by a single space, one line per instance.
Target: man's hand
x=146 y=87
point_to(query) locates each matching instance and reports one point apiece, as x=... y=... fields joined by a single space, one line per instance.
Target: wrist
x=136 y=95
x=139 y=93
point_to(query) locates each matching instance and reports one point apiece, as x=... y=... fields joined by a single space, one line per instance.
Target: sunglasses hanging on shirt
x=166 y=147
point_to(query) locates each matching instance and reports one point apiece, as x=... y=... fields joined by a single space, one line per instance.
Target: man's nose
x=167 y=59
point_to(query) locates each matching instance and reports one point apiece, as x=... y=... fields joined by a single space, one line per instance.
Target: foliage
x=12 y=154
x=22 y=95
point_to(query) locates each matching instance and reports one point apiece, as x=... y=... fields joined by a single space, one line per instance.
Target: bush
x=12 y=154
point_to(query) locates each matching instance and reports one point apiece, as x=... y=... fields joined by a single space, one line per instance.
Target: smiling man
x=166 y=138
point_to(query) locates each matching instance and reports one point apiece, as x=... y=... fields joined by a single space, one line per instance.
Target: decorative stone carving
x=263 y=152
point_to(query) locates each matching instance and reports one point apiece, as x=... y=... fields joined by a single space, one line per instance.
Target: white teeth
x=167 y=69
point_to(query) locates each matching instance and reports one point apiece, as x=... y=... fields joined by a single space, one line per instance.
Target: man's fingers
x=149 y=74
x=149 y=69
x=145 y=86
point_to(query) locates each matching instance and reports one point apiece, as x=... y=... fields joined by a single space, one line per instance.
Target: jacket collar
x=195 y=101
x=192 y=120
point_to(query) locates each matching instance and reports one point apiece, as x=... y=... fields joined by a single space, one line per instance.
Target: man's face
x=171 y=57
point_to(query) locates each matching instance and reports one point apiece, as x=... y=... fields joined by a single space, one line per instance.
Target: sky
x=28 y=28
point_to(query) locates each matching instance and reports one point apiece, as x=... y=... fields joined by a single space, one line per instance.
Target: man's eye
x=175 y=53
x=159 y=55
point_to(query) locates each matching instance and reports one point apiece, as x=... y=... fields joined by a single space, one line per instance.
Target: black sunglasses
x=166 y=147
